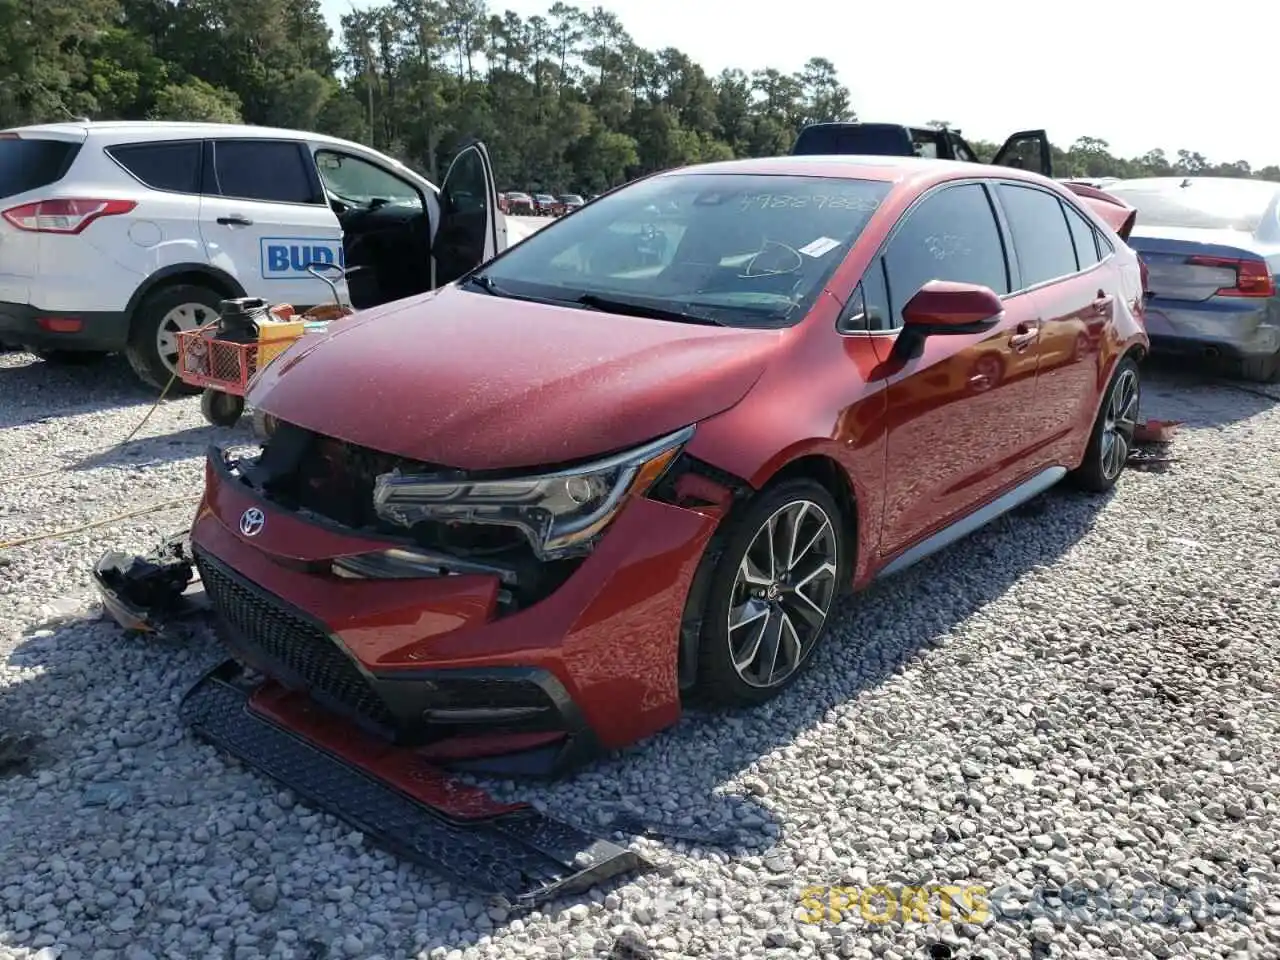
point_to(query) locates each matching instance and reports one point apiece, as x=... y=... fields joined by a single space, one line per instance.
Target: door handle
x=1024 y=335
x=235 y=220
x=1103 y=304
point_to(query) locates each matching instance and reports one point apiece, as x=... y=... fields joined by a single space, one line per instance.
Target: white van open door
x=468 y=233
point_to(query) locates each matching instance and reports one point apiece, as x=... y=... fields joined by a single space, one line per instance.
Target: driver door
x=1026 y=150
x=468 y=232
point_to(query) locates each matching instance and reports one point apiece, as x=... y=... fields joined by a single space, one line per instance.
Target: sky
x=1136 y=73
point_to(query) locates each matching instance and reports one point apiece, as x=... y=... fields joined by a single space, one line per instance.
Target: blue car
x=1211 y=246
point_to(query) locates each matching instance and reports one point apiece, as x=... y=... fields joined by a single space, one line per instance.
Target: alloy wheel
x=782 y=594
x=1119 y=423
x=181 y=319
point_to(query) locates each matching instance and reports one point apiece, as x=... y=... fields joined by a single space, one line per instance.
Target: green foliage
x=566 y=101
x=197 y=101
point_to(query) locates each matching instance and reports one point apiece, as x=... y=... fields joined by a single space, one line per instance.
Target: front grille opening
x=334 y=480
x=266 y=625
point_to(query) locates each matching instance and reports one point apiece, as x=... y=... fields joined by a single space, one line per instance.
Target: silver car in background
x=1211 y=246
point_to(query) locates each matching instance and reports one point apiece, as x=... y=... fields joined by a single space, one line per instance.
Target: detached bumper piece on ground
x=390 y=794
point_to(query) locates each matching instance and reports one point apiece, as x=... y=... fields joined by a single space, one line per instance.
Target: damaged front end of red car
x=391 y=640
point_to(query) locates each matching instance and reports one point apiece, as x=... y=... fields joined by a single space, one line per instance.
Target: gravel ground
x=1083 y=694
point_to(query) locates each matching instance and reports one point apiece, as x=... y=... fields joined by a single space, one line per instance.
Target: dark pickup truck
x=1026 y=150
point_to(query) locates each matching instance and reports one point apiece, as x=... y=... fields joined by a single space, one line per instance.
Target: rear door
x=1026 y=150
x=957 y=412
x=264 y=218
x=468 y=234
x=1076 y=294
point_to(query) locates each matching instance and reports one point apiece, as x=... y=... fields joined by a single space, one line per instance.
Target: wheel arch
x=1137 y=351
x=807 y=462
x=195 y=274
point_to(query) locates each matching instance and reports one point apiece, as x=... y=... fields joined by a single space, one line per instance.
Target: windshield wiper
x=487 y=284
x=633 y=308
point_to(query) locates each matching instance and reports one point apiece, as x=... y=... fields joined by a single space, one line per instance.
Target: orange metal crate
x=223 y=365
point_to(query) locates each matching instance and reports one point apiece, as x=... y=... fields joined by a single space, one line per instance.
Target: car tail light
x=69 y=216
x=1253 y=277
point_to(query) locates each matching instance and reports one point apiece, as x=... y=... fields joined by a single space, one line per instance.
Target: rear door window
x=173 y=165
x=951 y=235
x=1084 y=236
x=31 y=164
x=1041 y=237
x=274 y=171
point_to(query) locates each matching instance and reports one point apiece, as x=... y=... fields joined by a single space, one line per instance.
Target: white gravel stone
x=1081 y=697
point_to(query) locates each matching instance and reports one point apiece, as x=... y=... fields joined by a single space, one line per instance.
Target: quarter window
x=173 y=166
x=1041 y=237
x=1084 y=236
x=868 y=308
x=274 y=171
x=951 y=235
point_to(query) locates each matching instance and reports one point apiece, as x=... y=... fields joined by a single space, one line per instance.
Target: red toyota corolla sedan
x=639 y=455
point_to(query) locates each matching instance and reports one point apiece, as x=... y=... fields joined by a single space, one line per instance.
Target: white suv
x=118 y=235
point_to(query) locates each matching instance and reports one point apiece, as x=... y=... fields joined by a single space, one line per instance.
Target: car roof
x=162 y=129
x=1176 y=182
x=917 y=170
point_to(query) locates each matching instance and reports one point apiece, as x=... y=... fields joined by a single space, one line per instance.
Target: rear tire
x=152 y=349
x=788 y=613
x=1111 y=440
x=1261 y=369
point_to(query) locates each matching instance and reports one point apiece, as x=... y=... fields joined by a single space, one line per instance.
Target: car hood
x=479 y=382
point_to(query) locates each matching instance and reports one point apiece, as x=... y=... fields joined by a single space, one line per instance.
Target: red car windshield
x=741 y=249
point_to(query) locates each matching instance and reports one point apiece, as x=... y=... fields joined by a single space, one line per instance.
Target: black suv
x=1026 y=150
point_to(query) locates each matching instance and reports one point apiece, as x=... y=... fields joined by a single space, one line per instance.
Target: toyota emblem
x=252 y=521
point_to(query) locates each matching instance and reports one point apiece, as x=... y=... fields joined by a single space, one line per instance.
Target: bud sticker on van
x=287 y=258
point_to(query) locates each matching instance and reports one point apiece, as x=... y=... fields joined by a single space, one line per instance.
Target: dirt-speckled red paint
x=480 y=382
x=556 y=384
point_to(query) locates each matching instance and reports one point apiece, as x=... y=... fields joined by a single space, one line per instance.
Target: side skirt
x=974 y=521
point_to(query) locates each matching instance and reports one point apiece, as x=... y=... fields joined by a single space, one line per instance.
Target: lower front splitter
x=509 y=851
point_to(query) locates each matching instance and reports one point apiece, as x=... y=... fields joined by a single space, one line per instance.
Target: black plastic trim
x=224 y=283
x=101 y=332
x=523 y=857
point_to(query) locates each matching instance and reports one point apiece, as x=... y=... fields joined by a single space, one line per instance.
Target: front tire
x=771 y=593
x=153 y=340
x=1112 y=438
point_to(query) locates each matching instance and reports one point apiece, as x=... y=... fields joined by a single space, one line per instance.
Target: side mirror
x=948 y=307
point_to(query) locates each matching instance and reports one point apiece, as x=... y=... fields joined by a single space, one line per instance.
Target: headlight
x=560 y=513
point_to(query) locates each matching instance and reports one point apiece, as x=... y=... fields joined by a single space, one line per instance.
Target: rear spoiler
x=1117 y=214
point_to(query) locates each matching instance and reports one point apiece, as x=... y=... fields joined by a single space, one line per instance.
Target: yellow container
x=276 y=337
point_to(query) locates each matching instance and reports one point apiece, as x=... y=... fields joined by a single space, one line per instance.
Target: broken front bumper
x=392 y=795
x=508 y=851
x=145 y=594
